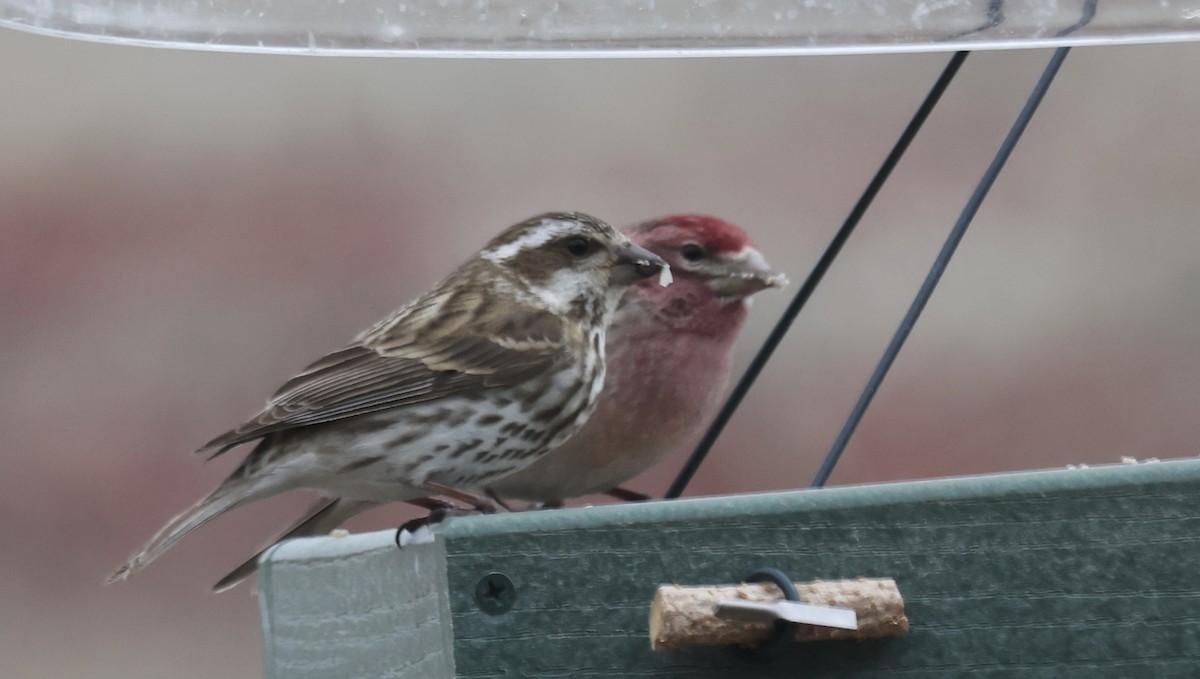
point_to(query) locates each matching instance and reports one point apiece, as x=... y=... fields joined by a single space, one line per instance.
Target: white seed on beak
x=664 y=276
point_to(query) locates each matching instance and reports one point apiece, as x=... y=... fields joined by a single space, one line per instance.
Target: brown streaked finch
x=498 y=364
x=669 y=353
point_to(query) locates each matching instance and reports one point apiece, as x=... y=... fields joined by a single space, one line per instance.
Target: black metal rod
x=939 y=265
x=994 y=17
x=1085 y=18
x=789 y=315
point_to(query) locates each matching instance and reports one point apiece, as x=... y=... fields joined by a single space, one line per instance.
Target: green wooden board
x=1068 y=573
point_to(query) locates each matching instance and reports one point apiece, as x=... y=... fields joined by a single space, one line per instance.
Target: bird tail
x=215 y=503
x=322 y=516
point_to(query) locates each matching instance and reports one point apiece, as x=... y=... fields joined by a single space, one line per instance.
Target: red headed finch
x=668 y=363
x=498 y=364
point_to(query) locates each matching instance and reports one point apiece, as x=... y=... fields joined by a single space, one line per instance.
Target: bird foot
x=482 y=504
x=626 y=495
x=499 y=501
x=420 y=529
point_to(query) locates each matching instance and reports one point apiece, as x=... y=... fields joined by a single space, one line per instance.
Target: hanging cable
x=939 y=265
x=789 y=315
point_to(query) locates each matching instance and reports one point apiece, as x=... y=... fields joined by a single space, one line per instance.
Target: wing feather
x=394 y=365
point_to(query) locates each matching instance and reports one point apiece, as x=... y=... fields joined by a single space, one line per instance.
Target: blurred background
x=180 y=232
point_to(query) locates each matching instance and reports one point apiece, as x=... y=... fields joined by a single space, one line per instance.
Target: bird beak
x=635 y=263
x=743 y=273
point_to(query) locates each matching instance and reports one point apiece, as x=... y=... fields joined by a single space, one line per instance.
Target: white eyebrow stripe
x=548 y=230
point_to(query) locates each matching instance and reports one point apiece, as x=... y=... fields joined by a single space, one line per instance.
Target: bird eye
x=578 y=246
x=692 y=252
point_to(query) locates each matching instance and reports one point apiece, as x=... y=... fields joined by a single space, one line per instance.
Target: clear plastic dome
x=559 y=28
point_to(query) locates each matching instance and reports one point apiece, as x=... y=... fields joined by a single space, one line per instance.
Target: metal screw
x=495 y=593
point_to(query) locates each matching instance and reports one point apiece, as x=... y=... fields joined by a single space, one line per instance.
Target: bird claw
x=499 y=502
x=626 y=495
x=420 y=529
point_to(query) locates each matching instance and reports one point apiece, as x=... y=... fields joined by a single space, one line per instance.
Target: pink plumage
x=669 y=351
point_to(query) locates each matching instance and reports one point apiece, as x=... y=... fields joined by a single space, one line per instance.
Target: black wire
x=783 y=635
x=994 y=17
x=1085 y=18
x=939 y=265
x=785 y=322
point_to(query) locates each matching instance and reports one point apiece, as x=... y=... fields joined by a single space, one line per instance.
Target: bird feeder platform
x=1065 y=573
